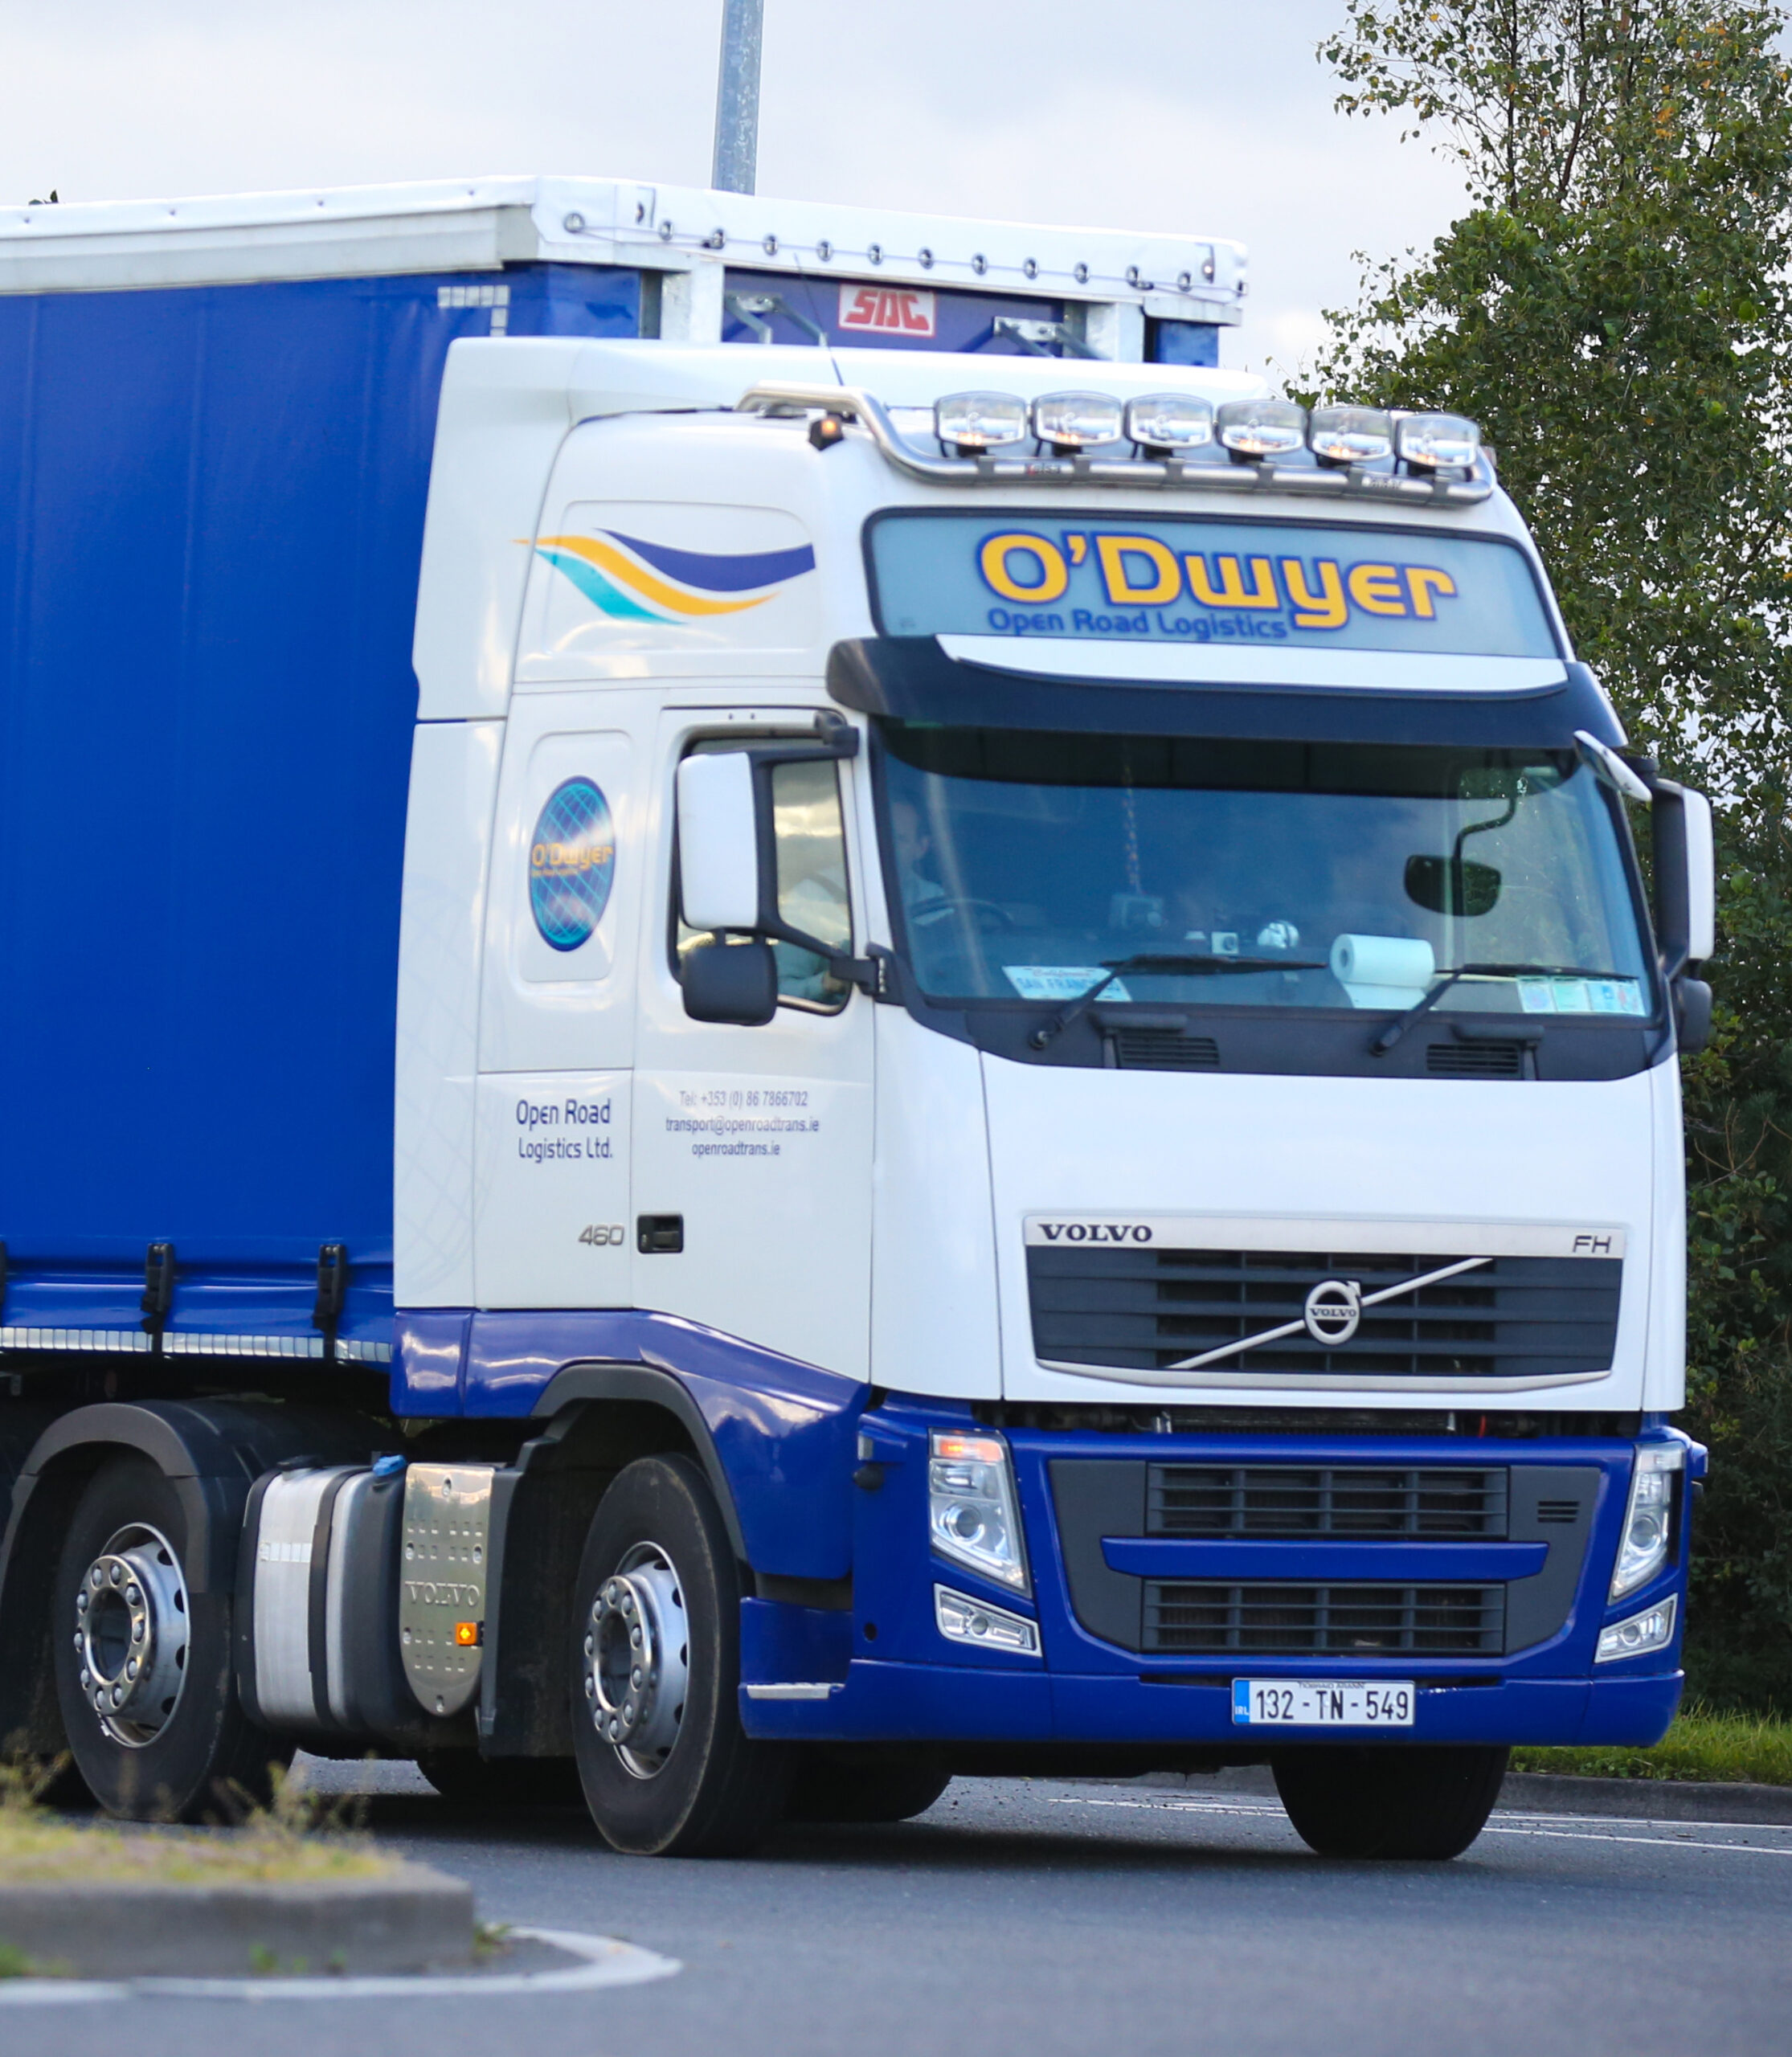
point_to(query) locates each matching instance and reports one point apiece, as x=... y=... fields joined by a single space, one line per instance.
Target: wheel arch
x=594 y=1419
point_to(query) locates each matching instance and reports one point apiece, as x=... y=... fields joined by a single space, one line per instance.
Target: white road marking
x=1270 y=1809
x=1652 y=1842
x=603 y=1961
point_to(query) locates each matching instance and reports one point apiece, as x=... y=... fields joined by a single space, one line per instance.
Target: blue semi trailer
x=785 y=1013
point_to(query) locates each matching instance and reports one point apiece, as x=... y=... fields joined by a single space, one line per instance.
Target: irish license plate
x=1332 y=1703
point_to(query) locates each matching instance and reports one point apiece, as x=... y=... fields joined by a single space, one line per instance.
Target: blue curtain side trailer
x=214 y=537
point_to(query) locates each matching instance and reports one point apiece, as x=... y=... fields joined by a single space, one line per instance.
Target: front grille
x=1191 y=1618
x=1163 y=1050
x=1143 y=1308
x=1477 y=1060
x=1285 y=1500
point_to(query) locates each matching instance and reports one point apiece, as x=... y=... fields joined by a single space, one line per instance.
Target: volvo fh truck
x=784 y=1013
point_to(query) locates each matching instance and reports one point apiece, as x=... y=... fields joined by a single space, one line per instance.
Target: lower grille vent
x=1476 y=1060
x=1190 y=1618
x=1289 y=1500
x=1163 y=1050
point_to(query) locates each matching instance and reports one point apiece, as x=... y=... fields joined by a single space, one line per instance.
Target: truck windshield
x=1029 y=866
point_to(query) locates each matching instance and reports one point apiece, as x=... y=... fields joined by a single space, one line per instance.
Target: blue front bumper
x=883 y=1672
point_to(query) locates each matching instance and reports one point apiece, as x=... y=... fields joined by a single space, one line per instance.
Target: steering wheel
x=984 y=913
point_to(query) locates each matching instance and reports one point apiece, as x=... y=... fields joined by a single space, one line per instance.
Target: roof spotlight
x=1437 y=442
x=1162 y=422
x=1255 y=429
x=1070 y=422
x=972 y=422
x=1350 y=435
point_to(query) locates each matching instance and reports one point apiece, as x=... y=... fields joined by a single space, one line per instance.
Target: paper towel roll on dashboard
x=1383 y=970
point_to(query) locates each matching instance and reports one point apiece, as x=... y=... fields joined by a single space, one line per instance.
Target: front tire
x=143 y=1667
x=1391 y=1801
x=666 y=1767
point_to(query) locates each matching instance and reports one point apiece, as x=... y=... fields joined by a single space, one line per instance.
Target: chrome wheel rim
x=637 y=1660
x=131 y=1627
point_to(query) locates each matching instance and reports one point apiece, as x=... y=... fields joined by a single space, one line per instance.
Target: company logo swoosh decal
x=632 y=580
x=1297 y=1327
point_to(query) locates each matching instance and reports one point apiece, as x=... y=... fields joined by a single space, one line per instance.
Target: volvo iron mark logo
x=1334 y=1308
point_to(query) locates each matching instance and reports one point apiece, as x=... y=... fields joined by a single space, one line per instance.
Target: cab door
x=551 y=1224
x=752 y=1189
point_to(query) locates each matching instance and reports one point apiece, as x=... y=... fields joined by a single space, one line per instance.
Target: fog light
x=1163 y=422
x=972 y=1514
x=1071 y=421
x=964 y=1619
x=1262 y=428
x=1350 y=435
x=1648 y=1517
x=1437 y=442
x=970 y=422
x=1653 y=1630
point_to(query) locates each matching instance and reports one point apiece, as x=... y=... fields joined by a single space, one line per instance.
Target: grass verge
x=1726 y=1748
x=291 y=1841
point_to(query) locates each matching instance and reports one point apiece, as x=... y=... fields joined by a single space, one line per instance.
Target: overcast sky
x=1201 y=115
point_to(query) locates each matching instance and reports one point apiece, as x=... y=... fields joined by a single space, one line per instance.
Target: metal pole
x=737 y=96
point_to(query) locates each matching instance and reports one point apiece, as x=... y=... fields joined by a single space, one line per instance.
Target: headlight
x=980 y=421
x=1068 y=421
x=1648 y=1518
x=1169 y=421
x=972 y=1515
x=962 y=1619
x=1437 y=442
x=1262 y=428
x=1653 y=1630
x=1350 y=435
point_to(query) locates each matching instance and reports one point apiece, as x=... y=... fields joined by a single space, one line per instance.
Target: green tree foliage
x=1614 y=309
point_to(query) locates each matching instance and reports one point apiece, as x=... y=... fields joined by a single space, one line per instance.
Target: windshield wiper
x=1402 y=1023
x=1151 y=961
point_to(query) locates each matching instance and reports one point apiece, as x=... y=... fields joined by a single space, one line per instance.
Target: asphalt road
x=1042 y=1918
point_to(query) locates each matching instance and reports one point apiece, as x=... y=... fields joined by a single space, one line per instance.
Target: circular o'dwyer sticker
x=572 y=858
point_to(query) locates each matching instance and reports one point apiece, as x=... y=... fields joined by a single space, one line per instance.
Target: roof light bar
x=975 y=427
x=1253 y=430
x=970 y=422
x=1350 y=435
x=1162 y=422
x=1070 y=422
x=1437 y=442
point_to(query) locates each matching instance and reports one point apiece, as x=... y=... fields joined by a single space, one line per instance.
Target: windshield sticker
x=1062 y=981
x=1196 y=581
x=1581 y=996
x=572 y=858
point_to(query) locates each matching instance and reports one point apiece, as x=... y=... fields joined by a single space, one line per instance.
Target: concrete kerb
x=408 y=1918
x=595 y=1961
x=1546 y=1793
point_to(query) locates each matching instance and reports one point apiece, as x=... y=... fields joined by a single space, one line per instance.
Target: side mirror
x=1691 y=1015
x=1686 y=877
x=731 y=982
x=1452 y=886
x=718 y=843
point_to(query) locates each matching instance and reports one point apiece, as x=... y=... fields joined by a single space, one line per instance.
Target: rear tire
x=833 y=1788
x=170 y=1742
x=1398 y=1801
x=666 y=1767
x=472 y=1781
